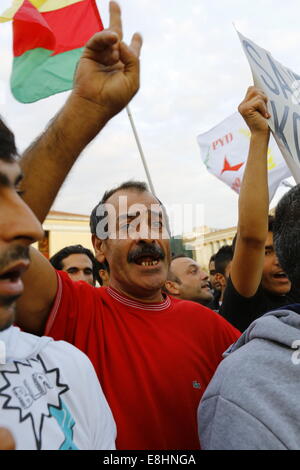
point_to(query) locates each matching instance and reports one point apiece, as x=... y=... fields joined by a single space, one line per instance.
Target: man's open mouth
x=13 y=272
x=11 y=284
x=146 y=255
x=205 y=286
x=147 y=261
x=280 y=275
x=11 y=276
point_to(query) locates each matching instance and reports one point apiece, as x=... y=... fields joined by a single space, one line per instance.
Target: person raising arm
x=257 y=283
x=106 y=79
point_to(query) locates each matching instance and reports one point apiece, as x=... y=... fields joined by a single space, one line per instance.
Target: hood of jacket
x=280 y=326
x=16 y=345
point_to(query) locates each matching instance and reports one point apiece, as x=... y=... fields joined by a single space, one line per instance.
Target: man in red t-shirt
x=154 y=355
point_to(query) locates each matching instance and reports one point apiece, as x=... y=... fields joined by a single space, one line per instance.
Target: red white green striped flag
x=48 y=39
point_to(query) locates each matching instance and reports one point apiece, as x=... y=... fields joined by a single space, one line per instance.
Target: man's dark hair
x=212 y=258
x=223 y=258
x=138 y=186
x=286 y=232
x=56 y=260
x=271 y=220
x=8 y=150
x=103 y=265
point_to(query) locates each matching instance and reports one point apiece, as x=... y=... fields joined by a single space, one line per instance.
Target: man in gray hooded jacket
x=252 y=401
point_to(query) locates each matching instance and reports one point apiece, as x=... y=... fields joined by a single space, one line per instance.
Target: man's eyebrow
x=5 y=181
x=269 y=247
x=192 y=265
x=138 y=213
x=126 y=216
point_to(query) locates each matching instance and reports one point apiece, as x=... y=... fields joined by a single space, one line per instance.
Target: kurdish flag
x=48 y=39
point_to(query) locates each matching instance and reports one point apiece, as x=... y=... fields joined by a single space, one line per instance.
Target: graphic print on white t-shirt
x=34 y=394
x=50 y=396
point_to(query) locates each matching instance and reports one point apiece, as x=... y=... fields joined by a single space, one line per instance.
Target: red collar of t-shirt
x=139 y=305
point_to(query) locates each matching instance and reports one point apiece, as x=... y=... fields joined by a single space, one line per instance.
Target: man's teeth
x=150 y=263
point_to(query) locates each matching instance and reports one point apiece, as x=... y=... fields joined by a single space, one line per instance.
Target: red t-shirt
x=154 y=361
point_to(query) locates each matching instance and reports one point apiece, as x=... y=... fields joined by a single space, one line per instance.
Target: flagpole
x=140 y=150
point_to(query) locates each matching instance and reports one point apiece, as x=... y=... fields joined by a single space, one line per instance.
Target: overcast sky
x=193 y=75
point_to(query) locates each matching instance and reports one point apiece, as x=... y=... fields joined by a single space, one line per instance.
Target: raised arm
x=106 y=79
x=247 y=263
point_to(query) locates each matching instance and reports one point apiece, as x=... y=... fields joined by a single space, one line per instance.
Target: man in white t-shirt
x=50 y=397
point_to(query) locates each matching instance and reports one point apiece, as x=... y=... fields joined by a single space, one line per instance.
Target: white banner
x=224 y=151
x=282 y=86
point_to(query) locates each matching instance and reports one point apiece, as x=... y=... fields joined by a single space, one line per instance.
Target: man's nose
x=19 y=223
x=276 y=261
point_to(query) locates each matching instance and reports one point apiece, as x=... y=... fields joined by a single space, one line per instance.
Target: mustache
x=144 y=250
x=7 y=301
x=17 y=253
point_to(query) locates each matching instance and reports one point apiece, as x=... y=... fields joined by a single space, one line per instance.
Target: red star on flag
x=228 y=167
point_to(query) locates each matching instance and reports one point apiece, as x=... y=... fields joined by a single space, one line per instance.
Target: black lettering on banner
x=279 y=128
x=296 y=117
x=282 y=83
x=248 y=48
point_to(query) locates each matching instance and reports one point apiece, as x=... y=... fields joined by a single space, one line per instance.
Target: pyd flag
x=224 y=151
x=48 y=39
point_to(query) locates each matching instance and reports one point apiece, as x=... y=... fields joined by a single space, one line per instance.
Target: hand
x=254 y=110
x=6 y=440
x=108 y=71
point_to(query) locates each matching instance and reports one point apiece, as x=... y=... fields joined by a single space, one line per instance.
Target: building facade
x=205 y=242
x=63 y=229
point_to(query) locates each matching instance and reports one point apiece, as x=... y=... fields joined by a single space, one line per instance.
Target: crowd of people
x=133 y=355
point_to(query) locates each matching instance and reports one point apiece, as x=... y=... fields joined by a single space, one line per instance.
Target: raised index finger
x=115 y=22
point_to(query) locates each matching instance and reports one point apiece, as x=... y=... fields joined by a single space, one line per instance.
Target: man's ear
x=172 y=287
x=98 y=248
x=104 y=276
